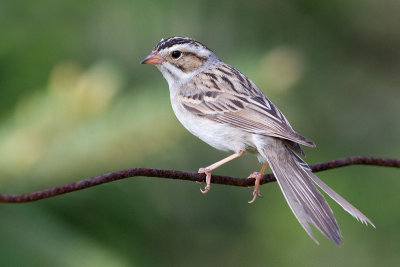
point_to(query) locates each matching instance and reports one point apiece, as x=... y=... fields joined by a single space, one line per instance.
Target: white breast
x=217 y=135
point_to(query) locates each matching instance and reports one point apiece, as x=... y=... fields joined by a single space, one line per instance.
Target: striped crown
x=171 y=41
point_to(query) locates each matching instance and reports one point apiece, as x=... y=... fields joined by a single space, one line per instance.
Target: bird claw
x=254 y=197
x=206 y=189
x=254 y=175
x=208 y=180
x=256 y=192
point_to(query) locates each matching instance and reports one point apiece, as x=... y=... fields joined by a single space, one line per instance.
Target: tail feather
x=335 y=196
x=304 y=199
x=296 y=181
x=341 y=201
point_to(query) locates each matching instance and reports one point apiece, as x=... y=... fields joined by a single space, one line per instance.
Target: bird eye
x=176 y=54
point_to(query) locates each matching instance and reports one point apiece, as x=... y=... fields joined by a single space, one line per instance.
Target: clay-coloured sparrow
x=224 y=108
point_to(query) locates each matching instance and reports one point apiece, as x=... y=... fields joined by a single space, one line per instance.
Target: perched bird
x=221 y=106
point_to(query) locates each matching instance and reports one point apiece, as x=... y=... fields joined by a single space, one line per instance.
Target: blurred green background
x=75 y=103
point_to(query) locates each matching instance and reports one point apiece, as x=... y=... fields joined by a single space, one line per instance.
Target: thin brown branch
x=181 y=175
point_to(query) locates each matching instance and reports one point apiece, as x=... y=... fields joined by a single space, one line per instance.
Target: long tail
x=308 y=205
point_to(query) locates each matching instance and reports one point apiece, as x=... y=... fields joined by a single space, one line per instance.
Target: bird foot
x=254 y=175
x=208 y=179
x=256 y=192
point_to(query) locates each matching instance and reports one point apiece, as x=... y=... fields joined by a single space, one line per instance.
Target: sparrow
x=221 y=106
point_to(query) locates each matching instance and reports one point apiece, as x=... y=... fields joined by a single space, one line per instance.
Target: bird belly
x=218 y=135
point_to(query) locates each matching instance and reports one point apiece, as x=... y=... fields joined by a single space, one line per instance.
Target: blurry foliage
x=75 y=102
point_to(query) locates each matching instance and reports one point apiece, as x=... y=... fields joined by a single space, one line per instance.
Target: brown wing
x=227 y=96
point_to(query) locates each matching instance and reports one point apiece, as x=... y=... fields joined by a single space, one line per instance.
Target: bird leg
x=257 y=176
x=209 y=169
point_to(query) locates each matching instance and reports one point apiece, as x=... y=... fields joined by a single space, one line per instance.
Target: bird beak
x=153 y=59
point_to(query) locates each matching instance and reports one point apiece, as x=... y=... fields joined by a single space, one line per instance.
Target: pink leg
x=209 y=169
x=257 y=176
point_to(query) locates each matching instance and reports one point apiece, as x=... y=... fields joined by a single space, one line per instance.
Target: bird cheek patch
x=190 y=62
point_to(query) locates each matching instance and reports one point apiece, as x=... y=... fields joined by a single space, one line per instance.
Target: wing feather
x=229 y=97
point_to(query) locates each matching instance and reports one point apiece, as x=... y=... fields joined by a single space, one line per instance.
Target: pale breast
x=218 y=135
